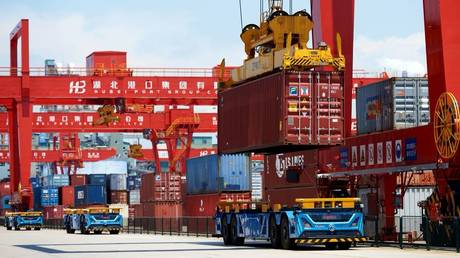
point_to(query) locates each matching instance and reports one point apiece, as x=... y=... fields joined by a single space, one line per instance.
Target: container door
x=405 y=102
x=423 y=105
x=329 y=108
x=299 y=107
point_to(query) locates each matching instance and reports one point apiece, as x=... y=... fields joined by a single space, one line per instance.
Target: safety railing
x=187 y=226
x=415 y=231
x=83 y=71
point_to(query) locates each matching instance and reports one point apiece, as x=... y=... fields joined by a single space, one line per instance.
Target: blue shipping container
x=55 y=180
x=49 y=196
x=37 y=192
x=5 y=202
x=213 y=173
x=90 y=194
x=134 y=182
x=97 y=179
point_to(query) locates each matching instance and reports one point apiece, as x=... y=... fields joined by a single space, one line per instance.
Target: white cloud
x=393 y=54
x=151 y=38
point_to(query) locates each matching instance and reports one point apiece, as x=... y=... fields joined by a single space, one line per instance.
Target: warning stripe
x=330 y=240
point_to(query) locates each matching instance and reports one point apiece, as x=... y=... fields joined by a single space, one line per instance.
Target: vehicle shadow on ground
x=54 y=248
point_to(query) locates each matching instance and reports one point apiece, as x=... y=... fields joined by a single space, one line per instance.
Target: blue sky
x=178 y=33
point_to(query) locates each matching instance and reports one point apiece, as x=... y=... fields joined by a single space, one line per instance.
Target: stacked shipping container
x=212 y=179
x=391 y=104
x=161 y=195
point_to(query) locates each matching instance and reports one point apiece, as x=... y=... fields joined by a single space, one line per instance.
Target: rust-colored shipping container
x=119 y=197
x=55 y=212
x=204 y=205
x=67 y=196
x=76 y=180
x=291 y=169
x=161 y=187
x=286 y=196
x=136 y=210
x=285 y=108
x=162 y=209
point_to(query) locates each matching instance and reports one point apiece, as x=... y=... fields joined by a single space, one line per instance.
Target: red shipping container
x=136 y=210
x=204 y=205
x=286 y=108
x=286 y=196
x=119 y=197
x=291 y=169
x=5 y=188
x=162 y=209
x=56 y=212
x=67 y=196
x=161 y=187
x=77 y=180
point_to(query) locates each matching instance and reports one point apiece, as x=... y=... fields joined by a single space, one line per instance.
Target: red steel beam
x=97 y=154
x=331 y=17
x=96 y=89
x=83 y=122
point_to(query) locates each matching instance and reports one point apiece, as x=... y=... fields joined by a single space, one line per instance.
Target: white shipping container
x=134 y=197
x=104 y=167
x=118 y=182
x=411 y=212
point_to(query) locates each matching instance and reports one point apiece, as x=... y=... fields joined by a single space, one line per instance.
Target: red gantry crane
x=106 y=81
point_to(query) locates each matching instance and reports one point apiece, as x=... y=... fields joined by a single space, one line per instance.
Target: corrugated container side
x=204 y=205
x=160 y=187
x=90 y=194
x=55 y=180
x=4 y=188
x=76 y=180
x=67 y=196
x=119 y=197
x=49 y=196
x=134 y=182
x=214 y=173
x=287 y=195
x=118 y=182
x=53 y=212
x=202 y=173
x=162 y=210
x=97 y=179
x=37 y=193
x=234 y=171
x=286 y=108
x=136 y=210
x=395 y=103
x=135 y=196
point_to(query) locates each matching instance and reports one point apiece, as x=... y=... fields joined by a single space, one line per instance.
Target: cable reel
x=446 y=125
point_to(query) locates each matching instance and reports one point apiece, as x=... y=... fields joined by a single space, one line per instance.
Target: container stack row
x=216 y=178
x=53 y=193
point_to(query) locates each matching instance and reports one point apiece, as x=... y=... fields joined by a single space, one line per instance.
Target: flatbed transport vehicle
x=333 y=222
x=95 y=219
x=27 y=219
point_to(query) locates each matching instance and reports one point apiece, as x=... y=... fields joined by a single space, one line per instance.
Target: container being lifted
x=334 y=222
x=27 y=220
x=96 y=219
x=286 y=109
